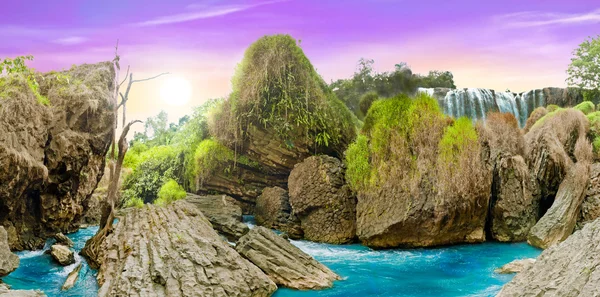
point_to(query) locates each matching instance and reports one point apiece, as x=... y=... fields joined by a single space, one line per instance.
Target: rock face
x=513 y=210
x=590 y=207
x=52 y=157
x=322 y=200
x=62 y=254
x=5 y=291
x=559 y=222
x=570 y=268
x=64 y=240
x=174 y=251
x=515 y=266
x=284 y=263
x=223 y=213
x=273 y=210
x=8 y=261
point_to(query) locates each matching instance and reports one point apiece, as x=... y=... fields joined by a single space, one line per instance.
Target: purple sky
x=511 y=44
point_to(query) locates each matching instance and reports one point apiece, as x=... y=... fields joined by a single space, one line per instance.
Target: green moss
x=552 y=107
x=547 y=116
x=358 y=172
x=456 y=139
x=134 y=202
x=211 y=156
x=171 y=191
x=586 y=107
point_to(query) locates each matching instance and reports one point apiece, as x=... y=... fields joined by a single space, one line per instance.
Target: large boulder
x=62 y=254
x=590 y=207
x=52 y=156
x=273 y=210
x=283 y=262
x=174 y=251
x=322 y=200
x=559 y=222
x=9 y=262
x=63 y=239
x=223 y=212
x=513 y=209
x=515 y=266
x=570 y=268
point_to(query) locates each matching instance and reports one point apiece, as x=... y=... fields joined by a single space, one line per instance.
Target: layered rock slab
x=559 y=222
x=223 y=212
x=322 y=200
x=568 y=269
x=9 y=262
x=283 y=262
x=52 y=156
x=590 y=207
x=273 y=210
x=174 y=251
x=5 y=291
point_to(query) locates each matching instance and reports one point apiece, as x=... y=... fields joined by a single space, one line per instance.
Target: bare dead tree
x=92 y=246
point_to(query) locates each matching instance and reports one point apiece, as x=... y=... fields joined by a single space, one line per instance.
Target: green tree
x=584 y=70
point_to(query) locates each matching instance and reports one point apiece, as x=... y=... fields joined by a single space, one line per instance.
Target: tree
x=93 y=246
x=584 y=70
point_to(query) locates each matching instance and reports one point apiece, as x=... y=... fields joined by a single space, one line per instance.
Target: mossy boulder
x=419 y=177
x=52 y=156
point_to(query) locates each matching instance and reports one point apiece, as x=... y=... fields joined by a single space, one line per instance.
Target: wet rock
x=515 y=266
x=64 y=240
x=52 y=156
x=62 y=254
x=559 y=222
x=284 y=263
x=71 y=278
x=273 y=210
x=8 y=261
x=569 y=268
x=322 y=200
x=5 y=291
x=513 y=210
x=223 y=213
x=590 y=207
x=174 y=251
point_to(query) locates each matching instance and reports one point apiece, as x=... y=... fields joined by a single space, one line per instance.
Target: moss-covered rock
x=586 y=107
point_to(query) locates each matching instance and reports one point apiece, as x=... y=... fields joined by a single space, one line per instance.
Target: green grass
x=170 y=192
x=586 y=107
x=456 y=139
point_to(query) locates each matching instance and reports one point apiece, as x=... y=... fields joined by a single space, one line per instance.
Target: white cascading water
x=475 y=103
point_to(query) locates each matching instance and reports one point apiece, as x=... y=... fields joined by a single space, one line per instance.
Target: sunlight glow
x=176 y=91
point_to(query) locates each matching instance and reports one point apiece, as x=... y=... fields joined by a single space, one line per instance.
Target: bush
x=211 y=156
x=586 y=107
x=366 y=101
x=358 y=169
x=504 y=134
x=134 y=202
x=169 y=192
x=457 y=138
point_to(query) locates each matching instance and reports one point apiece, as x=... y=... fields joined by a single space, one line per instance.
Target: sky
x=509 y=44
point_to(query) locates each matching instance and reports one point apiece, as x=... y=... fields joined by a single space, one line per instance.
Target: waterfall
x=475 y=103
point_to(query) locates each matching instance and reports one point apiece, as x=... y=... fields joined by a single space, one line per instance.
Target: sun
x=176 y=91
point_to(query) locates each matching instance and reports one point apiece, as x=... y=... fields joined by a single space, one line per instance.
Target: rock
x=9 y=262
x=62 y=254
x=569 y=268
x=559 y=222
x=322 y=200
x=174 y=251
x=513 y=210
x=72 y=278
x=52 y=157
x=5 y=291
x=273 y=210
x=223 y=213
x=64 y=240
x=515 y=266
x=284 y=263
x=590 y=207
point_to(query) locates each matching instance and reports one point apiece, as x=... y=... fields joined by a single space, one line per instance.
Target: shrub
x=358 y=169
x=457 y=138
x=366 y=101
x=169 y=192
x=586 y=107
x=504 y=134
x=211 y=156
x=134 y=202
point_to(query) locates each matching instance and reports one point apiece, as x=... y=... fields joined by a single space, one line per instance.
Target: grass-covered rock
x=419 y=176
x=586 y=107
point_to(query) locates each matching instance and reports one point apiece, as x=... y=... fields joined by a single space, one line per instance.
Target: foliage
x=584 y=70
x=586 y=107
x=457 y=138
x=169 y=192
x=594 y=119
x=277 y=88
x=386 y=84
x=211 y=156
x=367 y=100
x=17 y=66
x=552 y=107
x=134 y=202
x=547 y=116
x=504 y=134
x=358 y=172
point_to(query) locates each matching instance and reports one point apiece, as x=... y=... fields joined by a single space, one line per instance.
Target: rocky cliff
x=52 y=156
x=174 y=251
